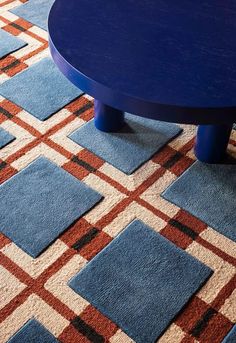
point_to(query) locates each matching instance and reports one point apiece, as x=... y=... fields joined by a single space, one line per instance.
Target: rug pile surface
x=116 y=238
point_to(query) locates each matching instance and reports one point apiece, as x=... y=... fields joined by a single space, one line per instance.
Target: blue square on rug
x=40 y=202
x=140 y=281
x=231 y=337
x=131 y=146
x=33 y=332
x=44 y=90
x=9 y=43
x=35 y=11
x=5 y=138
x=207 y=191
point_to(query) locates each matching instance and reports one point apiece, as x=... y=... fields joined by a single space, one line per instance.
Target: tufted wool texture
x=141 y=281
x=43 y=89
x=33 y=332
x=204 y=189
x=5 y=138
x=9 y=43
x=126 y=150
x=55 y=199
x=35 y=11
x=231 y=337
x=36 y=289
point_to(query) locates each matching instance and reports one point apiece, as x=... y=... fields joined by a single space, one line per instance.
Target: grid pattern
x=38 y=287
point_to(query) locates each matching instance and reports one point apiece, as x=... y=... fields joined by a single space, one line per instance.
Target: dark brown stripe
x=183 y=228
x=83 y=164
x=84 y=108
x=11 y=65
x=6 y=113
x=18 y=27
x=87 y=330
x=175 y=158
x=87 y=238
x=202 y=323
x=2 y=165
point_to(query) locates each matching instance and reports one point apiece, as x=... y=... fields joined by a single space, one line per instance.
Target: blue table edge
x=215 y=123
x=137 y=106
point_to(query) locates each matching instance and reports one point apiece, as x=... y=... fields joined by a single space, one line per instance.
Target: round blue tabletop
x=167 y=60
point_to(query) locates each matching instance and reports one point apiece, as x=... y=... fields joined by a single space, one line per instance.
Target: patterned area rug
x=95 y=247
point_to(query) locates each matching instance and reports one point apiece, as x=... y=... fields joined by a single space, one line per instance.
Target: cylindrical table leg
x=211 y=143
x=107 y=118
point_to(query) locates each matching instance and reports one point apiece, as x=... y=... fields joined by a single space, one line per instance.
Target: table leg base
x=107 y=118
x=211 y=143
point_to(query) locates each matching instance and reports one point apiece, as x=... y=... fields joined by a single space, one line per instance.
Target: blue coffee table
x=166 y=60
